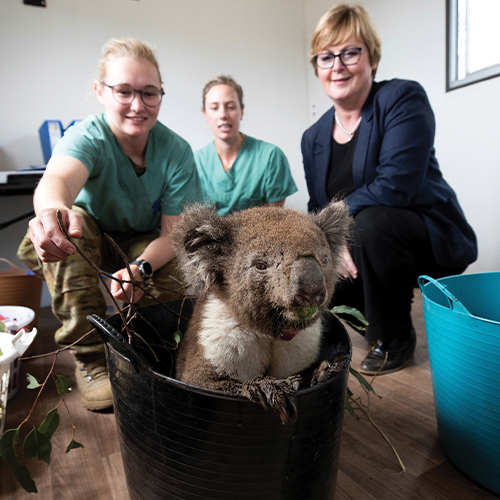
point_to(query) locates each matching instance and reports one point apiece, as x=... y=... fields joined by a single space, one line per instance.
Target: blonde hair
x=223 y=80
x=339 y=24
x=126 y=47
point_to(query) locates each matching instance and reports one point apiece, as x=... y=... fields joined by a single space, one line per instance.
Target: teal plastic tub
x=462 y=322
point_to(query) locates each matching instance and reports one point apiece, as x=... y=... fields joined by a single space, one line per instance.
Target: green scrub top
x=260 y=174
x=114 y=195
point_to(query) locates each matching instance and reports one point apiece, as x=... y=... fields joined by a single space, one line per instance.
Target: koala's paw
x=327 y=369
x=279 y=395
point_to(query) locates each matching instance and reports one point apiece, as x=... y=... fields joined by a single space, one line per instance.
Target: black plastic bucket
x=183 y=442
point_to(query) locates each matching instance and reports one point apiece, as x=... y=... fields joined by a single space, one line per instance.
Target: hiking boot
x=93 y=381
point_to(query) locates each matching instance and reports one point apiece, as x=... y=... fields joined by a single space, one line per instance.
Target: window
x=473 y=49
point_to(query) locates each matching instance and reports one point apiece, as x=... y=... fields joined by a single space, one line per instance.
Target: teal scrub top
x=259 y=175
x=114 y=195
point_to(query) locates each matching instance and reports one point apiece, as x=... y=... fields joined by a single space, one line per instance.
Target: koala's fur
x=265 y=276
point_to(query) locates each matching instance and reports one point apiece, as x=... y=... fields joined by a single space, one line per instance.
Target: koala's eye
x=261 y=266
x=324 y=260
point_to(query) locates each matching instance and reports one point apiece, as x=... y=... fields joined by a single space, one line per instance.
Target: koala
x=264 y=277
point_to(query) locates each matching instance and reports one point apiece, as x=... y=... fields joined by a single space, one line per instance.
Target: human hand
x=50 y=243
x=349 y=269
x=123 y=291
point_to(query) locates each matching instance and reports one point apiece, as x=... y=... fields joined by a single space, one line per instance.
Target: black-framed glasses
x=125 y=94
x=348 y=57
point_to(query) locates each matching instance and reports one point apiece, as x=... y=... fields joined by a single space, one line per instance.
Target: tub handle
x=453 y=302
x=111 y=336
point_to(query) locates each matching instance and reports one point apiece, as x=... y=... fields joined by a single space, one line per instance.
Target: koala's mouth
x=295 y=319
x=303 y=314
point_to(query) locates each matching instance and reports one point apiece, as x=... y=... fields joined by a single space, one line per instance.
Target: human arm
x=63 y=179
x=399 y=149
x=158 y=253
x=279 y=203
x=279 y=181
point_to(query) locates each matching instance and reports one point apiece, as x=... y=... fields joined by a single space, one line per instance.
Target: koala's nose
x=307 y=286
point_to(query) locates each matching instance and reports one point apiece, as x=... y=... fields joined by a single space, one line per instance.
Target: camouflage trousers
x=74 y=285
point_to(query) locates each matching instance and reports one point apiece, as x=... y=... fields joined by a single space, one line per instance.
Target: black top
x=339 y=179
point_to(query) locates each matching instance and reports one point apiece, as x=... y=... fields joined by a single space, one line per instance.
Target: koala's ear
x=335 y=222
x=201 y=239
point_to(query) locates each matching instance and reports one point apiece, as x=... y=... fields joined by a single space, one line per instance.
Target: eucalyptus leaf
x=364 y=383
x=177 y=337
x=348 y=405
x=63 y=384
x=32 y=382
x=38 y=445
x=8 y=453
x=352 y=311
x=50 y=424
x=356 y=326
x=73 y=445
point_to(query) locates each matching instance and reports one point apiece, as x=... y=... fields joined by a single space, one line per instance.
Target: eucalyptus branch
x=127 y=265
x=369 y=416
x=39 y=392
x=96 y=268
x=56 y=352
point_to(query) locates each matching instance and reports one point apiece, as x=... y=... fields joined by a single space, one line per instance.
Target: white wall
x=468 y=129
x=48 y=59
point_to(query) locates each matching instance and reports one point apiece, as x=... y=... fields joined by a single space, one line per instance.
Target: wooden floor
x=368 y=469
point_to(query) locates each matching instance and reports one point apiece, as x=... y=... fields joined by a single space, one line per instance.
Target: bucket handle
x=12 y=266
x=453 y=302
x=111 y=336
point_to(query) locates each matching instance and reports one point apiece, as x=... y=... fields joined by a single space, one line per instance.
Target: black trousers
x=391 y=249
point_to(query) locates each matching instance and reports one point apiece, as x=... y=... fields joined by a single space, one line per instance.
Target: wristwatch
x=145 y=268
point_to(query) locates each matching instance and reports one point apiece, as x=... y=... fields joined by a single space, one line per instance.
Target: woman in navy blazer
x=375 y=150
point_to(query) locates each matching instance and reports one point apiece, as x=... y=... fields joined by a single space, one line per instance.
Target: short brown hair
x=223 y=80
x=340 y=23
x=126 y=47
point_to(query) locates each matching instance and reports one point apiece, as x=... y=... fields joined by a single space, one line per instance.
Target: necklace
x=350 y=134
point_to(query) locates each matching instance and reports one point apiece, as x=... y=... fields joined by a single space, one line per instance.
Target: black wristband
x=145 y=269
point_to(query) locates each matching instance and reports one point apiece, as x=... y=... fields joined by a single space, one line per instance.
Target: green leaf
x=3 y=328
x=50 y=424
x=177 y=337
x=32 y=382
x=348 y=406
x=1 y=353
x=8 y=453
x=356 y=326
x=63 y=385
x=352 y=311
x=38 y=445
x=73 y=445
x=364 y=383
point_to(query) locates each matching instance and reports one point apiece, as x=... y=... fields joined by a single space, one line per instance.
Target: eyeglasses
x=348 y=57
x=125 y=94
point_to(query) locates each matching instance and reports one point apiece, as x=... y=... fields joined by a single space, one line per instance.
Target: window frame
x=452 y=81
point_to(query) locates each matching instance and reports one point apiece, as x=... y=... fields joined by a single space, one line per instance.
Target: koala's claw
x=294 y=381
x=276 y=394
x=327 y=369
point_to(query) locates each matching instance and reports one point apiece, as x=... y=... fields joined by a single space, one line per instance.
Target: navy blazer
x=394 y=165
